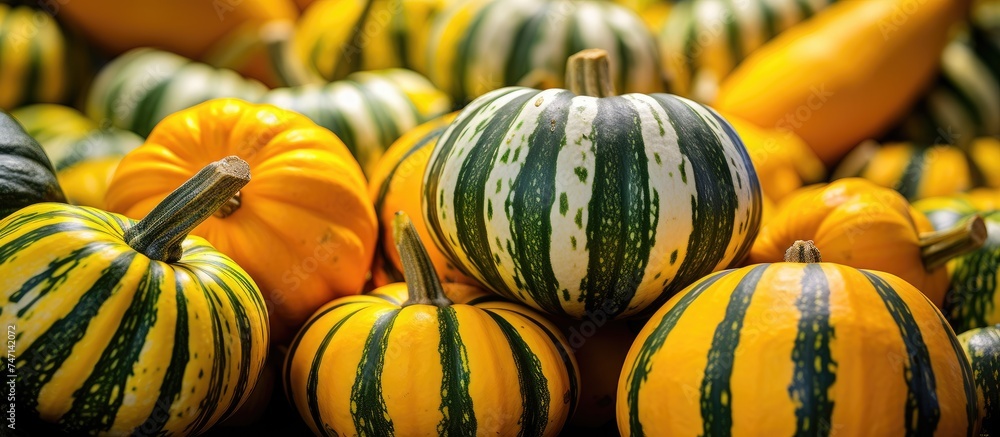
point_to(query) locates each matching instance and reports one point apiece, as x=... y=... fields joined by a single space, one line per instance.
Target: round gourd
x=303 y=228
x=335 y=37
x=920 y=171
x=783 y=161
x=139 y=88
x=577 y=201
x=984 y=199
x=367 y=110
x=482 y=45
x=973 y=299
x=130 y=327
x=702 y=41
x=797 y=348
x=862 y=225
x=397 y=185
x=26 y=174
x=37 y=58
x=982 y=346
x=54 y=126
x=411 y=359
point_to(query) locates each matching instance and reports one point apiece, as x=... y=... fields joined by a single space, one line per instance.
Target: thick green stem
x=422 y=281
x=588 y=73
x=937 y=248
x=803 y=251
x=160 y=234
x=287 y=67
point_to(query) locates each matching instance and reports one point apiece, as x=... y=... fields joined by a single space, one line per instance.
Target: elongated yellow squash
x=844 y=75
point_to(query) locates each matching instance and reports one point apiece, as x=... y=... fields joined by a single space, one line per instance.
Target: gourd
x=130 y=327
x=799 y=347
x=783 y=161
x=425 y=358
x=580 y=201
x=335 y=38
x=982 y=346
x=367 y=110
x=397 y=185
x=984 y=199
x=974 y=289
x=139 y=88
x=482 y=45
x=37 y=58
x=26 y=174
x=862 y=225
x=54 y=126
x=702 y=41
x=921 y=171
x=304 y=228
x=800 y=82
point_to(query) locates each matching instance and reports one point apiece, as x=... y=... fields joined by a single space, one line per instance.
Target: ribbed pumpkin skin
x=702 y=41
x=36 y=62
x=305 y=230
x=483 y=45
x=573 y=204
x=397 y=185
x=367 y=110
x=363 y=365
x=139 y=88
x=26 y=174
x=335 y=38
x=111 y=342
x=973 y=299
x=856 y=223
x=797 y=349
x=983 y=349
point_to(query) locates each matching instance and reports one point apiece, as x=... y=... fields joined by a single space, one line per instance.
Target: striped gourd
x=965 y=100
x=54 y=126
x=397 y=185
x=26 y=173
x=335 y=38
x=702 y=41
x=982 y=346
x=797 y=348
x=482 y=45
x=783 y=161
x=576 y=204
x=126 y=327
x=39 y=64
x=141 y=87
x=920 y=171
x=367 y=110
x=419 y=358
x=973 y=299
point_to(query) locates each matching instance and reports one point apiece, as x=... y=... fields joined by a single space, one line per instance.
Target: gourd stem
x=160 y=234
x=422 y=281
x=803 y=252
x=936 y=248
x=588 y=73
x=287 y=67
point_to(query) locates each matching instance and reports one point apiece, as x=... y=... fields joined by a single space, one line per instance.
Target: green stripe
x=147 y=105
x=368 y=409
x=96 y=402
x=293 y=348
x=716 y=394
x=640 y=371
x=47 y=354
x=463 y=53
x=983 y=349
x=752 y=221
x=968 y=380
x=574 y=384
x=909 y=183
x=922 y=410
x=32 y=84
x=518 y=63
x=971 y=296
x=173 y=380
x=55 y=275
x=618 y=227
x=711 y=209
x=531 y=378
x=815 y=369
x=350 y=54
x=459 y=418
x=312 y=383
x=534 y=193
x=733 y=34
x=220 y=358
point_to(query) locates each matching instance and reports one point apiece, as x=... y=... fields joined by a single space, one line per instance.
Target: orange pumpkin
x=303 y=227
x=862 y=225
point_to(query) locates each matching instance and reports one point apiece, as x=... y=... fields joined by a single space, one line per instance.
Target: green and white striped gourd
x=982 y=346
x=367 y=110
x=575 y=204
x=702 y=41
x=482 y=45
x=139 y=88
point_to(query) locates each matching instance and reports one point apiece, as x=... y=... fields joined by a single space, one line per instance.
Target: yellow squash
x=844 y=75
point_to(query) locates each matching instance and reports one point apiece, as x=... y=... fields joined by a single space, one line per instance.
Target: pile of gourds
x=501 y=217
